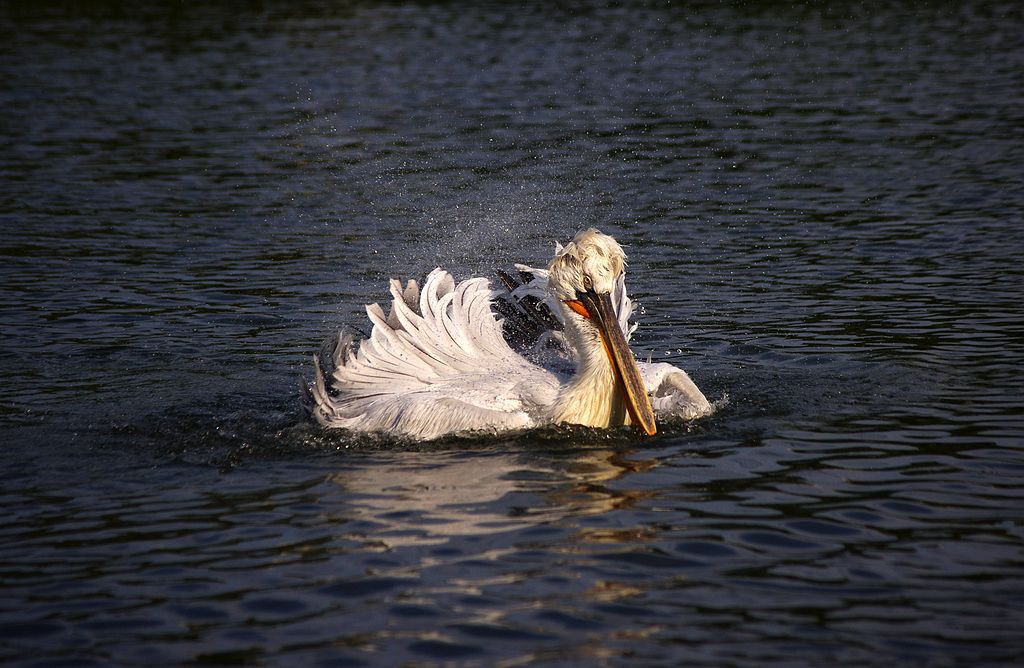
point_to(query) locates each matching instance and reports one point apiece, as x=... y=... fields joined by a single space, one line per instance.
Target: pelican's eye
x=588 y=283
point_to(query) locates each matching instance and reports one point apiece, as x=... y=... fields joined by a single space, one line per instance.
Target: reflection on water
x=417 y=532
x=426 y=499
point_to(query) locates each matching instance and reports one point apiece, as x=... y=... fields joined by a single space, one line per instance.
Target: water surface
x=822 y=209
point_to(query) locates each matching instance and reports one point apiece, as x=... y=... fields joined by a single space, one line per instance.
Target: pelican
x=549 y=348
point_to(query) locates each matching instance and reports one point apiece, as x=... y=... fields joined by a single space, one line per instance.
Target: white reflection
x=428 y=498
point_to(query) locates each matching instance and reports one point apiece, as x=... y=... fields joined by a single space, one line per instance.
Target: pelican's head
x=591 y=261
x=582 y=276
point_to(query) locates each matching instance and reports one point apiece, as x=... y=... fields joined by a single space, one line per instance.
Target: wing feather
x=436 y=364
x=672 y=392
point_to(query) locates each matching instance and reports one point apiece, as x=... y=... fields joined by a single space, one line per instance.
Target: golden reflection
x=428 y=498
x=609 y=591
x=631 y=535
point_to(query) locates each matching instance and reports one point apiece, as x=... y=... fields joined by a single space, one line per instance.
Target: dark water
x=823 y=209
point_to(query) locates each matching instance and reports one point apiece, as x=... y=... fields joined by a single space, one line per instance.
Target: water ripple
x=821 y=207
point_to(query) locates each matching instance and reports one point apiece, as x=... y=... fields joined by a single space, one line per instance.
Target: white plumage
x=440 y=362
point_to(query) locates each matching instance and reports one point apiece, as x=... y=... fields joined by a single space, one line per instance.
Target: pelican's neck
x=592 y=396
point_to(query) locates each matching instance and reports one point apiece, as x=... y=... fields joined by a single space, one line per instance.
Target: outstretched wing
x=436 y=364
